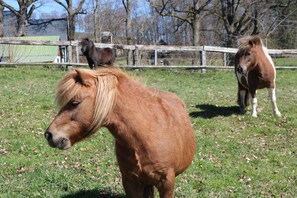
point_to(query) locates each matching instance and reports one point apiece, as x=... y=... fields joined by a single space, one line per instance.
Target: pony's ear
x=251 y=43
x=84 y=77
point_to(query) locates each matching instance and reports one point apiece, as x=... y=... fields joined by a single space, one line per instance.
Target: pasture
x=236 y=155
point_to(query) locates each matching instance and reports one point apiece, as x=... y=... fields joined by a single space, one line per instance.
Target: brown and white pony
x=254 y=70
x=154 y=139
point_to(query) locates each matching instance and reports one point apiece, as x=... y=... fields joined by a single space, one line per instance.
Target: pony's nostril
x=48 y=135
x=239 y=69
x=62 y=143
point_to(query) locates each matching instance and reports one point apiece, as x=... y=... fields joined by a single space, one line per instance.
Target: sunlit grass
x=236 y=156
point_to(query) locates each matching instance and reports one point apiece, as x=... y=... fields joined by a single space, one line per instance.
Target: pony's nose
x=239 y=69
x=48 y=135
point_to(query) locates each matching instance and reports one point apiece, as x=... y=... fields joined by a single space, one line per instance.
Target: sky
x=48 y=7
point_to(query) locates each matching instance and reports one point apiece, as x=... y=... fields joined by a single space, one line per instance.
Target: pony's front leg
x=242 y=95
x=95 y=65
x=254 y=102
x=133 y=189
x=271 y=93
x=166 y=185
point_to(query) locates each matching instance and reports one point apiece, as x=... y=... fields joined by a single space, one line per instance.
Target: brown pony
x=96 y=56
x=154 y=139
x=254 y=70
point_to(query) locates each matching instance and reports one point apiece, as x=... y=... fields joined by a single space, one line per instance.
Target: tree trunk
x=231 y=42
x=71 y=27
x=97 y=29
x=196 y=34
x=22 y=25
x=127 y=5
x=71 y=33
x=196 y=26
x=1 y=21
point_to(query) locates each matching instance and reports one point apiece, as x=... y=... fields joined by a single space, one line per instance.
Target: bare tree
x=92 y=20
x=238 y=18
x=25 y=11
x=189 y=11
x=72 y=12
x=284 y=32
x=274 y=15
x=97 y=26
x=127 y=6
x=246 y=17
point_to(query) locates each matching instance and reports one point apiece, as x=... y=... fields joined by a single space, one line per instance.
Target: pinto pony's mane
x=246 y=43
x=71 y=86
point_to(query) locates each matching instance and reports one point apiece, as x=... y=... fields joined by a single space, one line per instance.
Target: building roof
x=48 y=27
x=37 y=27
x=29 y=53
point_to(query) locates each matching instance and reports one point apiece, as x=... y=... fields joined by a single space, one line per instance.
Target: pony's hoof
x=242 y=111
x=278 y=114
x=254 y=115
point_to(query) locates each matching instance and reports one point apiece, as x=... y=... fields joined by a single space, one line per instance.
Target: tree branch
x=63 y=5
x=77 y=10
x=15 y=12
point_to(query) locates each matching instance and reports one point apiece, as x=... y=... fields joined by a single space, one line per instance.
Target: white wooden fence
x=201 y=50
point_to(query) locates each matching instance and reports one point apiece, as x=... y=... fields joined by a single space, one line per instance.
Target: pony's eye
x=74 y=103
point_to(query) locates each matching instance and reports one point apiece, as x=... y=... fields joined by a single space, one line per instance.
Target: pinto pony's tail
x=246 y=98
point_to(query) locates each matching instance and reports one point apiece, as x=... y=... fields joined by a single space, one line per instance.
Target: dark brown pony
x=154 y=139
x=97 y=57
x=254 y=70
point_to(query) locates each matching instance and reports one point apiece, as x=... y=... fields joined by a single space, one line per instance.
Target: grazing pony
x=95 y=56
x=154 y=139
x=254 y=70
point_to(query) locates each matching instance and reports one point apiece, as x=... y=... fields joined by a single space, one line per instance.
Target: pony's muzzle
x=60 y=142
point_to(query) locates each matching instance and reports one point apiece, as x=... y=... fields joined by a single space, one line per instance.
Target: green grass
x=236 y=156
x=285 y=61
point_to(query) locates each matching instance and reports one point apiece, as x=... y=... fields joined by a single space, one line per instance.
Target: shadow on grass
x=96 y=193
x=211 y=111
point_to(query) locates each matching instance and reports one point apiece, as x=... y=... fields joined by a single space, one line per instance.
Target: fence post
x=156 y=57
x=69 y=67
x=225 y=59
x=136 y=60
x=130 y=57
x=203 y=59
x=77 y=54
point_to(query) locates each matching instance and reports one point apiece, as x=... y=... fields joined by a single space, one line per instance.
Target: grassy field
x=236 y=156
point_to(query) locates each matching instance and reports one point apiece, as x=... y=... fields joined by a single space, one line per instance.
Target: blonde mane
x=71 y=87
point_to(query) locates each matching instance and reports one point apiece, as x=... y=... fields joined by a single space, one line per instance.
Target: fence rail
x=201 y=50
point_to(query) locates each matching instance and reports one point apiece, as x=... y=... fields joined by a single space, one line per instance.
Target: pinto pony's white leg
x=271 y=93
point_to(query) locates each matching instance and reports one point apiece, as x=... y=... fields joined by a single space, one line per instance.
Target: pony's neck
x=122 y=121
x=91 y=49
